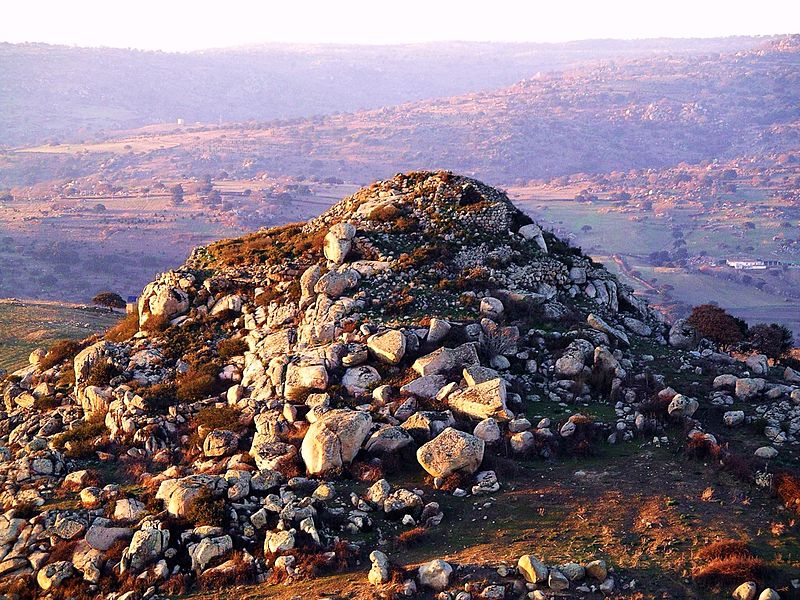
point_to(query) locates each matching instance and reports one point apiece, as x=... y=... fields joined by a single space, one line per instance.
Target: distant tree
x=176 y=192
x=99 y=207
x=109 y=300
x=214 y=198
x=774 y=340
x=713 y=323
x=6 y=197
x=586 y=228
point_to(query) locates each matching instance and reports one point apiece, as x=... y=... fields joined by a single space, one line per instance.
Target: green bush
x=204 y=509
x=81 y=438
x=198 y=383
x=231 y=347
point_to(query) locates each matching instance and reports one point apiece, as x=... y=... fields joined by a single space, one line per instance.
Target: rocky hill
x=419 y=386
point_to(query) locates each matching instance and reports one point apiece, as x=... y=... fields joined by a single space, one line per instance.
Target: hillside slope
x=57 y=92
x=619 y=115
x=420 y=372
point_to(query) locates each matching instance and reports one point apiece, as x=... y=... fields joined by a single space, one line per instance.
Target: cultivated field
x=26 y=325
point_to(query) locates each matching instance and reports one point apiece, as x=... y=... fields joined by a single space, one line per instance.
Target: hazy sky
x=196 y=24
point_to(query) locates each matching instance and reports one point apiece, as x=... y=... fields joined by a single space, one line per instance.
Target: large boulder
x=534 y=232
x=572 y=362
x=335 y=283
x=683 y=335
x=178 y=494
x=360 y=380
x=451 y=451
x=389 y=346
x=532 y=569
x=748 y=388
x=758 y=364
x=334 y=440
x=88 y=358
x=146 y=546
x=338 y=242
x=54 y=574
x=435 y=575
x=481 y=401
x=209 y=549
x=162 y=299
x=446 y=359
x=599 y=324
x=220 y=442
x=300 y=379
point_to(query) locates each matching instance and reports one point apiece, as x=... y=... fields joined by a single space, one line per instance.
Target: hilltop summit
x=294 y=402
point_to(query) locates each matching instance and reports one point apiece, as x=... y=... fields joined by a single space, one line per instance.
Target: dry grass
x=728 y=563
x=61 y=351
x=411 y=537
x=124 y=330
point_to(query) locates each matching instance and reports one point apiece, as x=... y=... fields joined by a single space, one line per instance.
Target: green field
x=26 y=325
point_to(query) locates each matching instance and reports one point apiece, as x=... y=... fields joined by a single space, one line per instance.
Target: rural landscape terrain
x=456 y=321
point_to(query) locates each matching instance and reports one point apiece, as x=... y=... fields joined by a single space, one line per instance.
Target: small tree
x=109 y=300
x=714 y=324
x=773 y=340
x=176 y=191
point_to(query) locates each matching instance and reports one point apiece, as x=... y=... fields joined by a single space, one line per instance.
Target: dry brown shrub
x=240 y=572
x=155 y=324
x=730 y=571
x=227 y=349
x=701 y=448
x=59 y=352
x=18 y=588
x=125 y=329
x=723 y=549
x=728 y=563
x=787 y=486
x=411 y=537
x=63 y=550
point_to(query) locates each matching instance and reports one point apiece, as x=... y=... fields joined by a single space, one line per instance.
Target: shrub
x=723 y=549
x=158 y=396
x=368 y=472
x=227 y=349
x=155 y=324
x=787 y=486
x=101 y=373
x=199 y=382
x=59 y=352
x=411 y=537
x=714 y=324
x=387 y=213
x=204 y=509
x=729 y=562
x=238 y=571
x=774 y=340
x=124 y=330
x=286 y=242
x=217 y=417
x=81 y=438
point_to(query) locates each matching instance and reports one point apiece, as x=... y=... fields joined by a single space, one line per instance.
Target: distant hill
x=64 y=93
x=620 y=114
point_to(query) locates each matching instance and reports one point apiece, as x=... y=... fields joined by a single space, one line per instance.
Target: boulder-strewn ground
x=418 y=393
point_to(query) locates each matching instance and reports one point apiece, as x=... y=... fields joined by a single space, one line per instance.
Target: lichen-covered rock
x=435 y=575
x=334 y=440
x=451 y=451
x=482 y=401
x=389 y=346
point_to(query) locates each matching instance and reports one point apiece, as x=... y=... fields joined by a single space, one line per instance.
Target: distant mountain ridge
x=66 y=93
